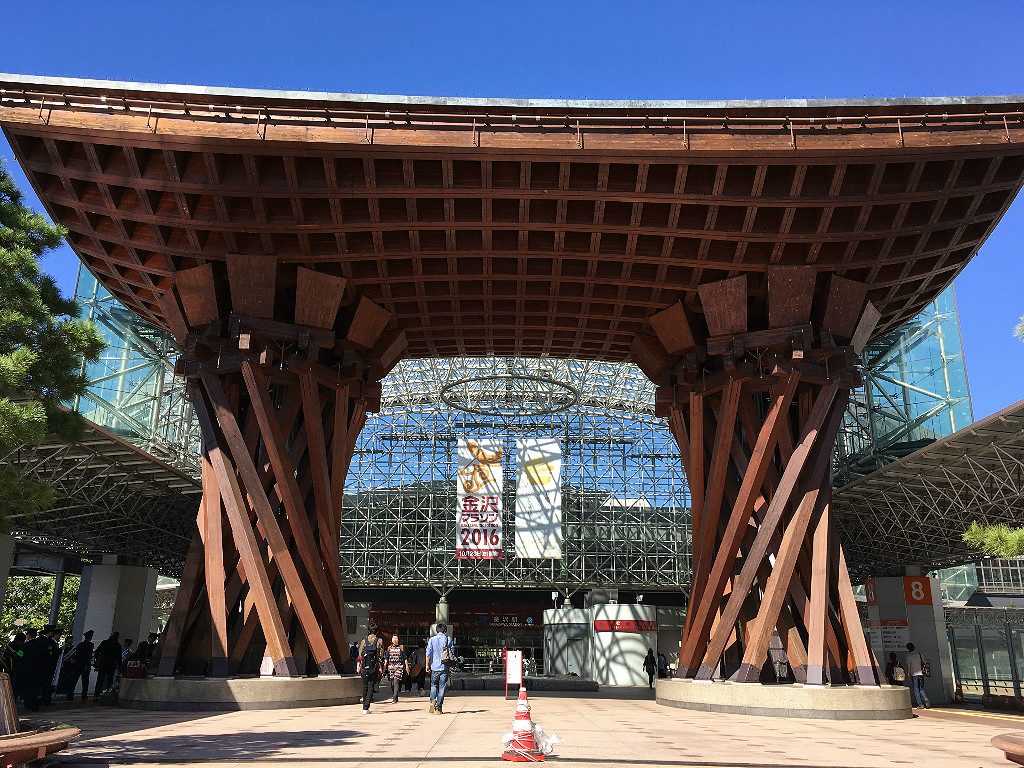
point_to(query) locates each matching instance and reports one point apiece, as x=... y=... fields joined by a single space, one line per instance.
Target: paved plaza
x=625 y=728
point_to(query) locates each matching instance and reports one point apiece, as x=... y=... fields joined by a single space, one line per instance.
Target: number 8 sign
x=917 y=590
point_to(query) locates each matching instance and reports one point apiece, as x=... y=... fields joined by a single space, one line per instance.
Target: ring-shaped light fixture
x=520 y=407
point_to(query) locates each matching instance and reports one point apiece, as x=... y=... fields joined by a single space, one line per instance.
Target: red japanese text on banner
x=478 y=525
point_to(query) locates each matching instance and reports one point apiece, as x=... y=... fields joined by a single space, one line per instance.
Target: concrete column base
x=824 y=702
x=207 y=694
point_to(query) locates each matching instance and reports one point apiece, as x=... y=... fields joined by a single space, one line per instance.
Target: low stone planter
x=826 y=702
x=211 y=694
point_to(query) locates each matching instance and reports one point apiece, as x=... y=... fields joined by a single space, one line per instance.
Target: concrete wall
x=567 y=642
x=670 y=633
x=618 y=656
x=925 y=626
x=115 y=598
x=6 y=561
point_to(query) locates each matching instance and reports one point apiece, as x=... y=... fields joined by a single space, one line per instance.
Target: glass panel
x=997 y=662
x=965 y=646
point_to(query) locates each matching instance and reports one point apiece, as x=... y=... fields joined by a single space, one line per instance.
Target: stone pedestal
x=204 y=694
x=823 y=702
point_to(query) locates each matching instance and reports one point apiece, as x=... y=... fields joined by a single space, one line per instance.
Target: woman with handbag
x=397 y=664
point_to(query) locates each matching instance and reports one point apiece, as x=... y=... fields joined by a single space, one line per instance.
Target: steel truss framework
x=625 y=505
x=913 y=510
x=110 y=497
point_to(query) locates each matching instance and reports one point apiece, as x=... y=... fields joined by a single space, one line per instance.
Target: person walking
x=51 y=633
x=108 y=661
x=397 y=666
x=650 y=667
x=440 y=652
x=82 y=661
x=64 y=677
x=36 y=662
x=21 y=671
x=915 y=666
x=417 y=669
x=368 y=664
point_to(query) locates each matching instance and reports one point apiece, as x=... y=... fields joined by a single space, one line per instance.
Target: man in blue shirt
x=440 y=650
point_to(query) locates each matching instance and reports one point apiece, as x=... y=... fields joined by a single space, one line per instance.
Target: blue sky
x=610 y=50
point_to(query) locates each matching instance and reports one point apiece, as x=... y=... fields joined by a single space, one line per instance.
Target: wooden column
x=283 y=368
x=755 y=394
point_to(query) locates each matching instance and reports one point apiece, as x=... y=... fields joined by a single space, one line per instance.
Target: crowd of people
x=41 y=666
x=402 y=668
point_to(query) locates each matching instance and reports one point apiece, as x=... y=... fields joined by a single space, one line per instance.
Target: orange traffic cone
x=523 y=746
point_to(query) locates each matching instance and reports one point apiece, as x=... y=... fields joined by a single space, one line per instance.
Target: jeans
x=438 y=682
x=917 y=690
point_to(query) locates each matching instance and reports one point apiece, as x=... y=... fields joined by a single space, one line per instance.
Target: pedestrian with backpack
x=440 y=655
x=368 y=665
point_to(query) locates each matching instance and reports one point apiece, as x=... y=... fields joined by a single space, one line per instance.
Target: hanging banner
x=539 y=498
x=478 y=532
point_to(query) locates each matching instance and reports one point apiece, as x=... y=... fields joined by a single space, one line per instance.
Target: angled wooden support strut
x=699 y=627
x=744 y=581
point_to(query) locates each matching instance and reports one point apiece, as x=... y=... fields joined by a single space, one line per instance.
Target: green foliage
x=27 y=603
x=1019 y=330
x=42 y=342
x=996 y=540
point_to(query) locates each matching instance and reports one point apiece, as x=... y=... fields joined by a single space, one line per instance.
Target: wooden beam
x=191 y=578
x=317 y=298
x=778 y=585
x=245 y=538
x=725 y=305
x=252 y=280
x=790 y=292
x=274 y=443
x=711 y=598
x=743 y=582
x=198 y=295
x=213 y=548
x=367 y=324
x=673 y=329
x=817 y=658
x=268 y=521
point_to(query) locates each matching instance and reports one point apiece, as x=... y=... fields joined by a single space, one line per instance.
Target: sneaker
x=432 y=709
x=438 y=711
x=366 y=711
x=927 y=704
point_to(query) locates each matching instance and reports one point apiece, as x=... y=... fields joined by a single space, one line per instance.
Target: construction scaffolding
x=625 y=504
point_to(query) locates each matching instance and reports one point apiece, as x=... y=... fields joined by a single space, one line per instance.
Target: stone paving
x=606 y=729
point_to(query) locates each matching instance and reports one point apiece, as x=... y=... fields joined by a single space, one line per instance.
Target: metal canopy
x=915 y=510
x=111 y=497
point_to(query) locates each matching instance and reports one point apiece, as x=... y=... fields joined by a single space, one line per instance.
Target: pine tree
x=42 y=344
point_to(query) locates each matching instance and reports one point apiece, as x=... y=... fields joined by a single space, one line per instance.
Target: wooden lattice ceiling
x=554 y=231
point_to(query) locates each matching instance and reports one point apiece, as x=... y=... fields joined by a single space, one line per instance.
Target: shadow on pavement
x=201 y=748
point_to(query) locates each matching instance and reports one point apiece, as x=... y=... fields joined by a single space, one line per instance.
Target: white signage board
x=513 y=667
x=538 y=498
x=478 y=526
